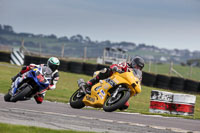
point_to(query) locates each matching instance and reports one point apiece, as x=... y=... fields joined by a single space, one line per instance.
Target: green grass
x=183 y=70
x=68 y=84
x=9 y=128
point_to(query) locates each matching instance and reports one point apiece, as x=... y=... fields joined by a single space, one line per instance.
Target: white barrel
x=160 y=101
x=183 y=104
x=17 y=57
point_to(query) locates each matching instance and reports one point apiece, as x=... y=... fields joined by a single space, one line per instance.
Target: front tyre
x=7 y=97
x=112 y=104
x=76 y=100
x=21 y=93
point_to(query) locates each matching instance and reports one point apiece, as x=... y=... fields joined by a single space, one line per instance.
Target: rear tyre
x=7 y=97
x=112 y=104
x=20 y=94
x=76 y=100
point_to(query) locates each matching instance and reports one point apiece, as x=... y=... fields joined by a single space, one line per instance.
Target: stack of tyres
x=100 y=67
x=162 y=81
x=191 y=85
x=28 y=60
x=76 y=67
x=89 y=69
x=43 y=60
x=64 y=66
x=148 y=79
x=160 y=101
x=4 y=56
x=177 y=83
x=183 y=104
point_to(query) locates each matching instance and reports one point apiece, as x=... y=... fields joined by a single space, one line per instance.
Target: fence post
x=149 y=66
x=170 y=68
x=104 y=54
x=63 y=50
x=190 y=74
x=40 y=50
x=23 y=49
x=85 y=54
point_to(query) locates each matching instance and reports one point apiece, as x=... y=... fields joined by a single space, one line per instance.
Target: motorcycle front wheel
x=76 y=100
x=7 y=97
x=112 y=104
x=21 y=93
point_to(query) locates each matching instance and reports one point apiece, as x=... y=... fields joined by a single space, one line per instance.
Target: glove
x=116 y=69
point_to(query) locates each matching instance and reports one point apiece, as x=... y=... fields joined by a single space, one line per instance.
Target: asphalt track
x=62 y=116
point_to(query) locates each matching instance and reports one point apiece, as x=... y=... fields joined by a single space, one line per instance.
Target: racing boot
x=39 y=98
x=124 y=107
x=90 y=83
x=15 y=77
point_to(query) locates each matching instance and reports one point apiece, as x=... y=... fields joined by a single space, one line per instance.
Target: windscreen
x=137 y=73
x=46 y=72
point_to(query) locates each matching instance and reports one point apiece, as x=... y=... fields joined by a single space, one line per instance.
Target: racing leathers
x=55 y=77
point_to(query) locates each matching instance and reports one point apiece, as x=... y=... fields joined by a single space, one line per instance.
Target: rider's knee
x=39 y=99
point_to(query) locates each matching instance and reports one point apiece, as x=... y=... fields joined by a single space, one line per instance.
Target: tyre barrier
x=172 y=103
x=64 y=66
x=5 y=57
x=89 y=69
x=148 y=79
x=191 y=85
x=35 y=60
x=100 y=66
x=162 y=81
x=160 y=102
x=27 y=60
x=43 y=60
x=76 y=67
x=177 y=83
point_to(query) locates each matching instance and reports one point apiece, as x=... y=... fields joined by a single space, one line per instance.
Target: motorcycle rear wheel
x=76 y=100
x=112 y=104
x=22 y=92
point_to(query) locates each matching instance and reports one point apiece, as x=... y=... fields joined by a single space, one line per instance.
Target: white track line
x=104 y=120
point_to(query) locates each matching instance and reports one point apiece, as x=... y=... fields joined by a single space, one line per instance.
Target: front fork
x=81 y=85
x=115 y=93
x=119 y=88
x=14 y=85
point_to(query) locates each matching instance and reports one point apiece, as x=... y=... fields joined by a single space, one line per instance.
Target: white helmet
x=53 y=63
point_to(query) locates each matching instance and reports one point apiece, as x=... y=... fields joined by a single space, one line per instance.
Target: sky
x=163 y=23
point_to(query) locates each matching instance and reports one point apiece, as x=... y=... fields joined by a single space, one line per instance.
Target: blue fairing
x=40 y=84
x=34 y=74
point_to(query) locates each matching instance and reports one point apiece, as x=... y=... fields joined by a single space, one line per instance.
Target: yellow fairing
x=100 y=90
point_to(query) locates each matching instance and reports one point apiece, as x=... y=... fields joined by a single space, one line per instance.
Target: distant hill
x=74 y=46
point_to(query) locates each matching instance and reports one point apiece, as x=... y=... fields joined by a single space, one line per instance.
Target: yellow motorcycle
x=111 y=93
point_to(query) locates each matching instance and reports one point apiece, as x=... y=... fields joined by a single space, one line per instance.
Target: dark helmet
x=53 y=63
x=137 y=61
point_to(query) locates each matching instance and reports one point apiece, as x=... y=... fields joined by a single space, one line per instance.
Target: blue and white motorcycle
x=29 y=84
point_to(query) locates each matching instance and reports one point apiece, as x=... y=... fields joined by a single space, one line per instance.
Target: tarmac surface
x=62 y=116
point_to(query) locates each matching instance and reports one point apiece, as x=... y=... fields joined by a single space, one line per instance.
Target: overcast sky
x=163 y=23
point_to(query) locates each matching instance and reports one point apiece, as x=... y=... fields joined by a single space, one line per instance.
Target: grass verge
x=9 y=128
